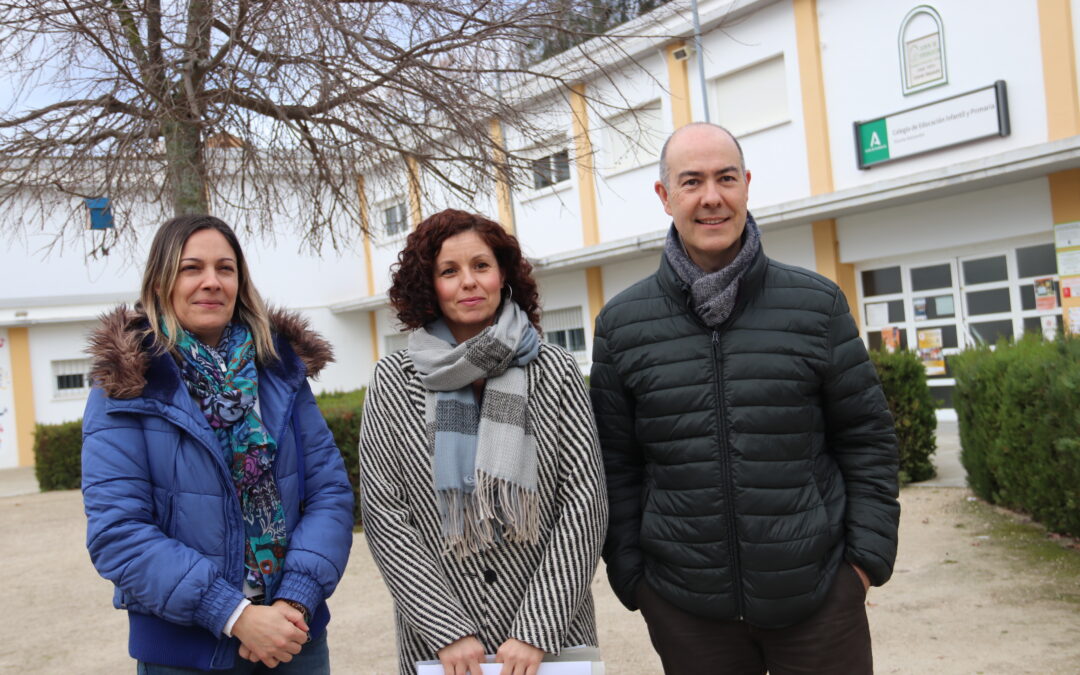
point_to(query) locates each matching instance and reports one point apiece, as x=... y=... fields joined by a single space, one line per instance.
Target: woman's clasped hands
x=272 y=634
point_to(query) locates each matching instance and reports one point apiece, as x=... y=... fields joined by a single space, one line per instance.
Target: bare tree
x=261 y=104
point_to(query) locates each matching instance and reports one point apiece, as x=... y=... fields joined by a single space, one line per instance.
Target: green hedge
x=1019 y=411
x=903 y=378
x=58 y=455
x=343 y=411
x=58 y=447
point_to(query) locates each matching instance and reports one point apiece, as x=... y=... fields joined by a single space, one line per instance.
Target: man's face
x=706 y=194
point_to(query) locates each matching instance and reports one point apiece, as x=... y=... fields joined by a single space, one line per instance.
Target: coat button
x=490 y=576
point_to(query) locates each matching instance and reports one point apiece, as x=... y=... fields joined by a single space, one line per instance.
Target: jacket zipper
x=729 y=483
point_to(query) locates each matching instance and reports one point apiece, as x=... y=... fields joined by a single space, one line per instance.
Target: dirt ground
x=974 y=592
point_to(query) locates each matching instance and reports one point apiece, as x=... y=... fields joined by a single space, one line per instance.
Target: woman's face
x=204 y=295
x=468 y=284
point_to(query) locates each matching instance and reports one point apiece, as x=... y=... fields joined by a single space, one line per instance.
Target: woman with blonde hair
x=216 y=499
x=482 y=492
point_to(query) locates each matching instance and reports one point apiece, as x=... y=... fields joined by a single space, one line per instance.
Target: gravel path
x=974 y=592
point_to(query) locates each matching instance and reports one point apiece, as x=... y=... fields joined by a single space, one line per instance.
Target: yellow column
x=827 y=261
x=1059 y=69
x=1065 y=196
x=590 y=226
x=373 y=321
x=1062 y=108
x=583 y=162
x=679 y=86
x=365 y=220
x=818 y=156
x=594 y=284
x=812 y=84
x=502 y=178
x=416 y=214
x=22 y=387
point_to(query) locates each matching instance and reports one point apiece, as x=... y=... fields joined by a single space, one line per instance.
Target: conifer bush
x=343 y=412
x=1019 y=411
x=903 y=378
x=58 y=455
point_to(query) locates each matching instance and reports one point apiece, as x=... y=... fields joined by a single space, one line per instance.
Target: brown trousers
x=835 y=640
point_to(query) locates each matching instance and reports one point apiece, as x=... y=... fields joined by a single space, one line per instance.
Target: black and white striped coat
x=538 y=594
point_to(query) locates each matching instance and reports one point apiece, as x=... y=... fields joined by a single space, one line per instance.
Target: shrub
x=903 y=378
x=343 y=412
x=1019 y=411
x=58 y=455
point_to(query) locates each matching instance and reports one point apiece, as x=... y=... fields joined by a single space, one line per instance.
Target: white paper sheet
x=564 y=668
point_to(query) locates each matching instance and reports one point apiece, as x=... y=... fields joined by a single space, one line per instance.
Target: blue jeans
x=313 y=659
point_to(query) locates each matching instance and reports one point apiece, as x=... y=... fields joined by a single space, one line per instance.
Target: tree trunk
x=187 y=167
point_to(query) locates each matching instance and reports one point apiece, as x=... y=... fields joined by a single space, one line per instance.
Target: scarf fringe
x=496 y=509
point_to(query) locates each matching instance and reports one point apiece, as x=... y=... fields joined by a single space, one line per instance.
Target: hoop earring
x=509 y=291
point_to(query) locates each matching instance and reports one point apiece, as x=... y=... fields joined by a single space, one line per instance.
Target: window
x=71 y=378
x=396 y=218
x=551 y=169
x=753 y=98
x=565 y=327
x=634 y=138
x=882 y=281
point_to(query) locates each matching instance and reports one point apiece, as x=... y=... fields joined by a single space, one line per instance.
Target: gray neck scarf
x=713 y=294
x=484 y=457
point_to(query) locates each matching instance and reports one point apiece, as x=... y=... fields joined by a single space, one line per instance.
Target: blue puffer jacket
x=164 y=524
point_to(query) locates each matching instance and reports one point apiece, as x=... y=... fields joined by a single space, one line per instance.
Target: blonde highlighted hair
x=159 y=278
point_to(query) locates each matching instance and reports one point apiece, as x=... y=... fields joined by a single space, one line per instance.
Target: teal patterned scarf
x=225 y=383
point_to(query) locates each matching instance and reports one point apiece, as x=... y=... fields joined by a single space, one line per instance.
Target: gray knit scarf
x=484 y=459
x=713 y=294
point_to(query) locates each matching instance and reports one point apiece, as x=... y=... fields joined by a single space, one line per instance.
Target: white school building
x=922 y=155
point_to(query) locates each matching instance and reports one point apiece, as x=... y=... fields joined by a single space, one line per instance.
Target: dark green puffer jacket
x=743 y=464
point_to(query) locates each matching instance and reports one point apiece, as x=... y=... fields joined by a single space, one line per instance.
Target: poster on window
x=1049 y=326
x=919 y=305
x=930 y=351
x=890 y=339
x=1045 y=295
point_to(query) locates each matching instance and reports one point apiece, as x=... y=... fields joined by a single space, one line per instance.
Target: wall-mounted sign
x=922 y=50
x=978 y=114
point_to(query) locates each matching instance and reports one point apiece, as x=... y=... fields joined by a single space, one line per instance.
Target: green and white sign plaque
x=978 y=114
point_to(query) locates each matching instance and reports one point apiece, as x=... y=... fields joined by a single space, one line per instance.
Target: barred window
x=71 y=378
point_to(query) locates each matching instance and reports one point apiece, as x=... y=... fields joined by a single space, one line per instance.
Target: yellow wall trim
x=373 y=321
x=502 y=180
x=812 y=85
x=416 y=213
x=365 y=222
x=1065 y=196
x=594 y=283
x=679 y=86
x=583 y=162
x=22 y=388
x=827 y=261
x=1059 y=69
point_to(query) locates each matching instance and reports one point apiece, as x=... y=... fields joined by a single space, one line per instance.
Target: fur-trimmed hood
x=121 y=359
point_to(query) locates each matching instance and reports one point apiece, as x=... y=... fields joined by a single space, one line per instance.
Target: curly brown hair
x=412 y=291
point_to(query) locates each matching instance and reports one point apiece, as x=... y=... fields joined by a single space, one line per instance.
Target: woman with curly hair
x=482 y=489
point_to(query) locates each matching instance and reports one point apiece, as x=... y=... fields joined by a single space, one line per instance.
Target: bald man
x=750 y=454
